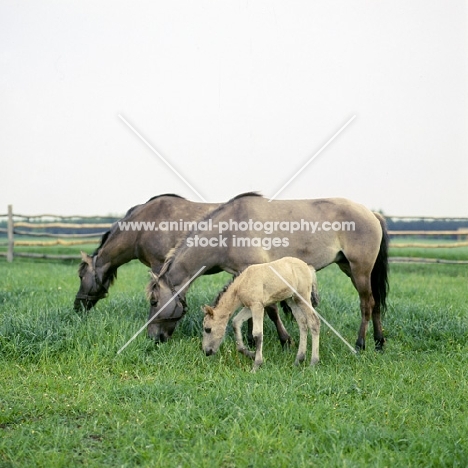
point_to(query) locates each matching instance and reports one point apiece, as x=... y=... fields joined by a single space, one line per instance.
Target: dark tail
x=379 y=275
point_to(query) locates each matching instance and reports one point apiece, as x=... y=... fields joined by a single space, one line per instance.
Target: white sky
x=237 y=96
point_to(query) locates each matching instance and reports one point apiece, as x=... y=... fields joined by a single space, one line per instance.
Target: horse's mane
x=106 y=235
x=103 y=241
x=165 y=195
x=150 y=287
x=132 y=209
x=225 y=288
x=83 y=265
x=175 y=250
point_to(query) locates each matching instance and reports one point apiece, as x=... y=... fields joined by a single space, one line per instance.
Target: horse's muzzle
x=161 y=338
x=83 y=305
x=209 y=352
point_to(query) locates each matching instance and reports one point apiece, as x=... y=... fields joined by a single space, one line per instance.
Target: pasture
x=68 y=399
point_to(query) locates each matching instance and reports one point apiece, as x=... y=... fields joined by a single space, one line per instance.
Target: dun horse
x=97 y=272
x=118 y=246
x=359 y=248
x=255 y=288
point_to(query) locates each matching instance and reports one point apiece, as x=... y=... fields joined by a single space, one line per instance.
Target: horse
x=326 y=231
x=98 y=271
x=118 y=246
x=260 y=285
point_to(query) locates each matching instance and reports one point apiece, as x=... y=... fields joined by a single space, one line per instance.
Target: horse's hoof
x=248 y=353
x=360 y=346
x=286 y=344
x=379 y=344
x=255 y=367
x=299 y=359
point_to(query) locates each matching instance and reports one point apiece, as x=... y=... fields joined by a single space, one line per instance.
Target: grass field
x=67 y=398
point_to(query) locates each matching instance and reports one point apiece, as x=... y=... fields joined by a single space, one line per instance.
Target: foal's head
x=214 y=329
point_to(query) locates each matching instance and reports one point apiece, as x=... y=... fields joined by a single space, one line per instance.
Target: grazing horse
x=255 y=288
x=118 y=246
x=318 y=231
x=97 y=272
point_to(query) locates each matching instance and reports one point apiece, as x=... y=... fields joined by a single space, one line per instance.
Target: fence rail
x=49 y=221
x=458 y=232
x=24 y=225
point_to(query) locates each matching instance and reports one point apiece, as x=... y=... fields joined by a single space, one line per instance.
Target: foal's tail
x=314 y=296
x=379 y=275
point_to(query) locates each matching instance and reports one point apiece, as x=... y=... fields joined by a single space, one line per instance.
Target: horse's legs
x=376 y=322
x=378 y=331
x=301 y=320
x=238 y=320
x=257 y=332
x=361 y=280
x=345 y=268
x=283 y=334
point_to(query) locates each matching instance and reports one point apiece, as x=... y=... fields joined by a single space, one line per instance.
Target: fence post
x=462 y=234
x=11 y=241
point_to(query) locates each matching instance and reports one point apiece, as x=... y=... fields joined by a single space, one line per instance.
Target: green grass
x=67 y=398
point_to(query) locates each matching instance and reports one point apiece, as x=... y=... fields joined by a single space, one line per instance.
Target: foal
x=259 y=286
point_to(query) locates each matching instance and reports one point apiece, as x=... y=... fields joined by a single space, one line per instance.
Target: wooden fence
x=452 y=239
x=40 y=226
x=18 y=225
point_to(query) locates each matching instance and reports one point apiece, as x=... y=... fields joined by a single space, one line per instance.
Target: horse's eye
x=153 y=303
x=207 y=330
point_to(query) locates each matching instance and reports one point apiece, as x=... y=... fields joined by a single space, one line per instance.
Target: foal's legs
x=257 y=333
x=256 y=313
x=237 y=322
x=283 y=334
x=301 y=320
x=313 y=323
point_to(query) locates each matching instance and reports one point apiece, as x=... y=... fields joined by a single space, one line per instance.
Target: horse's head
x=94 y=282
x=213 y=331
x=166 y=306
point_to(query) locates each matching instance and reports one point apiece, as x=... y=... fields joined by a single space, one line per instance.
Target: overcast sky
x=236 y=96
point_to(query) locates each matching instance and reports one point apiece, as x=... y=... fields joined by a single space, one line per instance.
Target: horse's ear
x=154 y=276
x=208 y=310
x=86 y=258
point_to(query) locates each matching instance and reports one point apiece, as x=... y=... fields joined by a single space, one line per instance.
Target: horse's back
x=153 y=243
x=170 y=208
x=327 y=227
